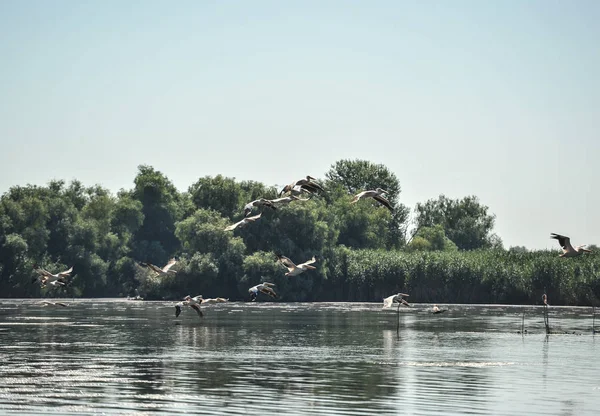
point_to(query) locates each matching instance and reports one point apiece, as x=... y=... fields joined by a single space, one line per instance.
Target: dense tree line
x=364 y=252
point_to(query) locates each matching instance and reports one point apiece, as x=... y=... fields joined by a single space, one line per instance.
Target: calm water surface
x=130 y=357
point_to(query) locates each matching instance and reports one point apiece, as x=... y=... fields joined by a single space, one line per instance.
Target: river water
x=112 y=356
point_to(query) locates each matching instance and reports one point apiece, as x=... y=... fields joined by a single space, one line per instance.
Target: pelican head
x=382 y=191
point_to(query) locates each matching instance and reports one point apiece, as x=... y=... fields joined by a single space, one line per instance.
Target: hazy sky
x=499 y=99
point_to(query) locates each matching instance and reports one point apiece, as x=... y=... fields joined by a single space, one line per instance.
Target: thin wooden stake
x=523 y=323
x=593 y=319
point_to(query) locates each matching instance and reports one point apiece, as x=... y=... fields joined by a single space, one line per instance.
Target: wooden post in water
x=523 y=324
x=398 y=315
x=593 y=320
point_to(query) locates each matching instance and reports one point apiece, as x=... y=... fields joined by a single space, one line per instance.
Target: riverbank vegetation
x=364 y=252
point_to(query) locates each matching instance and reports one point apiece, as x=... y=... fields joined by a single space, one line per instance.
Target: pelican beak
x=586 y=250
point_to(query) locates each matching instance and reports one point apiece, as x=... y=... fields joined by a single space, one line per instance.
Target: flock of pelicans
x=307 y=186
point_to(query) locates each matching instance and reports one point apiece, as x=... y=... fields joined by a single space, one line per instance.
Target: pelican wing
x=154 y=268
x=254 y=218
x=44 y=272
x=387 y=302
x=268 y=291
x=309 y=262
x=383 y=202
x=66 y=273
x=234 y=226
x=287 y=262
x=358 y=196
x=169 y=265
x=197 y=309
x=565 y=242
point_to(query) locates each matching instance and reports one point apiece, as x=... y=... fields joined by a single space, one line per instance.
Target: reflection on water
x=128 y=357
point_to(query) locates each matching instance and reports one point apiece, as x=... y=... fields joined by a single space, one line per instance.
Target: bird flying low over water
x=436 y=309
x=245 y=221
x=164 y=271
x=46 y=277
x=294 y=270
x=192 y=302
x=258 y=203
x=376 y=195
x=397 y=298
x=45 y=302
x=264 y=288
x=307 y=185
x=568 y=250
x=214 y=300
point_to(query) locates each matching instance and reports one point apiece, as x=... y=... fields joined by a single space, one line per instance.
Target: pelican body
x=376 y=195
x=264 y=288
x=568 y=249
x=192 y=302
x=397 y=298
x=294 y=270
x=306 y=185
x=257 y=203
x=166 y=270
x=58 y=279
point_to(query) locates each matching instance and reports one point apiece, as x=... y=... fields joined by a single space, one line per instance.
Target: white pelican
x=192 y=302
x=307 y=185
x=214 y=300
x=245 y=221
x=397 y=298
x=45 y=302
x=264 y=288
x=164 y=271
x=287 y=199
x=436 y=309
x=54 y=279
x=376 y=195
x=568 y=250
x=294 y=270
x=257 y=203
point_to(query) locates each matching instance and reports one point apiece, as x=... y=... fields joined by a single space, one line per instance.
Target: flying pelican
x=54 y=279
x=287 y=199
x=264 y=288
x=245 y=221
x=397 y=298
x=568 y=250
x=164 y=271
x=309 y=185
x=376 y=195
x=214 y=300
x=257 y=203
x=294 y=270
x=192 y=302
x=45 y=302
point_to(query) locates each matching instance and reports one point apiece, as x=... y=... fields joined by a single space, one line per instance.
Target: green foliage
x=466 y=222
x=359 y=247
x=431 y=239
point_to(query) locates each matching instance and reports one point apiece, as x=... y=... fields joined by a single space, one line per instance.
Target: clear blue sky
x=499 y=99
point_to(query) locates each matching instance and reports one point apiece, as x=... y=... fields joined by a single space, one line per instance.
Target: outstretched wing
x=66 y=273
x=383 y=202
x=234 y=226
x=197 y=309
x=287 y=262
x=154 y=268
x=387 y=302
x=309 y=262
x=565 y=242
x=253 y=218
x=169 y=265
x=268 y=291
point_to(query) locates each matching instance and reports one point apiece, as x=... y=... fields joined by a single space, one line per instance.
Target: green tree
x=466 y=221
x=354 y=176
